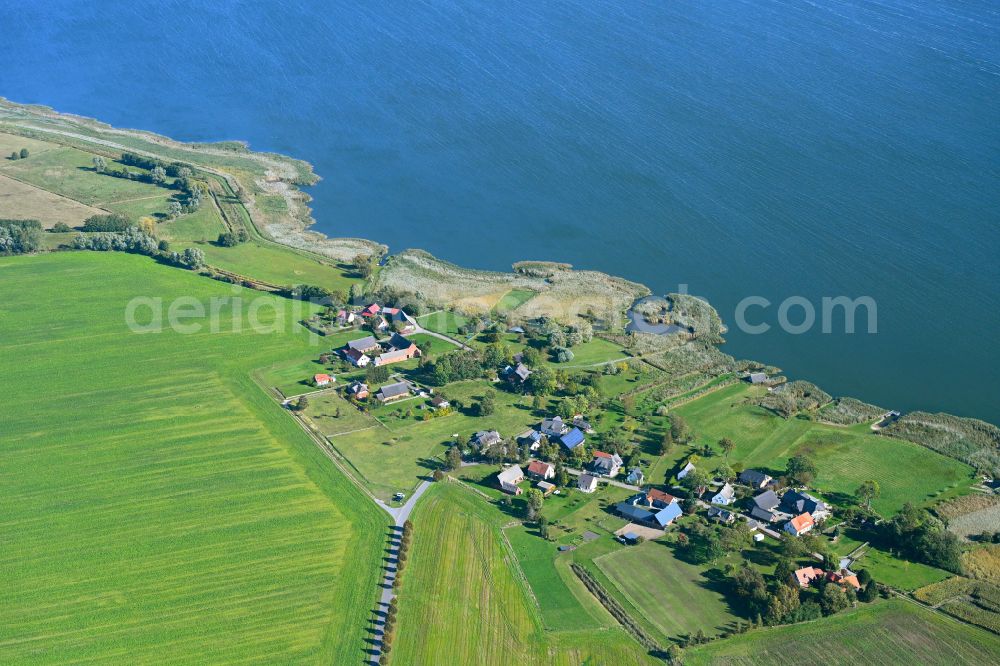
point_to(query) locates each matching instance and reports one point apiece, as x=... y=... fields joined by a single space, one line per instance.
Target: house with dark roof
x=484 y=439
x=763 y=506
x=554 y=427
x=754 y=479
x=587 y=483
x=358 y=389
x=796 y=502
x=605 y=464
x=723 y=516
x=635 y=477
x=516 y=374
x=633 y=513
x=393 y=392
x=357 y=358
x=582 y=423
x=573 y=439
x=541 y=470
x=438 y=402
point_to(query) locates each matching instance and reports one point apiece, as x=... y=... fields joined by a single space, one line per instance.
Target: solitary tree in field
x=679 y=429
x=14 y=155
x=454 y=457
x=727 y=446
x=534 y=503
x=99 y=164
x=800 y=469
x=24 y=153
x=868 y=492
x=174 y=209
x=158 y=174
x=363 y=265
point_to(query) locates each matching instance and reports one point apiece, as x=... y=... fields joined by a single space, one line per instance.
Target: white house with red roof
x=541 y=470
x=800 y=524
x=322 y=379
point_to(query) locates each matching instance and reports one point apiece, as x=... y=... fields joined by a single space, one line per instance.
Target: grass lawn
x=333 y=415
x=899 y=573
x=846 y=457
x=158 y=505
x=274 y=264
x=593 y=352
x=889 y=632
x=463 y=600
x=443 y=321
x=678 y=598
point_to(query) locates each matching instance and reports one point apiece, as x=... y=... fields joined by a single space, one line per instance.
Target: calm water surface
x=838 y=147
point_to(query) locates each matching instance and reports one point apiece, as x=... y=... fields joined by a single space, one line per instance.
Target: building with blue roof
x=573 y=439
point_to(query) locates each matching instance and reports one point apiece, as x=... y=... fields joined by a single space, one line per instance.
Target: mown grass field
x=846 y=457
x=275 y=264
x=158 y=506
x=464 y=602
x=891 y=632
x=675 y=596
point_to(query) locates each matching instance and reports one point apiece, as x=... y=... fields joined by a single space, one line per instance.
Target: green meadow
x=158 y=505
x=845 y=457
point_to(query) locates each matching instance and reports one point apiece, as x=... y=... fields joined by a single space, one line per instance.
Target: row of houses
x=378 y=317
x=367 y=350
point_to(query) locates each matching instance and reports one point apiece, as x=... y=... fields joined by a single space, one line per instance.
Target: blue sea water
x=765 y=147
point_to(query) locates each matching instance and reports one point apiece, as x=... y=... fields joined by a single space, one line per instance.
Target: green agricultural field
x=463 y=600
x=891 y=632
x=676 y=597
x=846 y=457
x=158 y=505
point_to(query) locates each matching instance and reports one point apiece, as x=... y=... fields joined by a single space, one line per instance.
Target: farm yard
x=161 y=503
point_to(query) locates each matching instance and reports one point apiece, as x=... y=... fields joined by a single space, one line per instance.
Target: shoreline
x=253 y=174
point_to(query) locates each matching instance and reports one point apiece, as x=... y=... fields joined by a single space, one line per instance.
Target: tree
x=60 y=228
x=174 y=209
x=666 y=443
x=363 y=265
x=674 y=655
x=99 y=164
x=800 y=469
x=376 y=374
x=158 y=175
x=725 y=472
x=193 y=258
x=487 y=405
x=736 y=538
x=533 y=503
x=24 y=153
x=680 y=431
x=782 y=602
x=454 y=458
x=832 y=599
x=543 y=527
x=867 y=492
x=542 y=381
x=14 y=155
x=438 y=475
x=727 y=445
x=868 y=592
x=302 y=404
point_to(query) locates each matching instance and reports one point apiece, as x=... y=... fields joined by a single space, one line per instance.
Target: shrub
x=20 y=236
x=60 y=228
x=112 y=222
